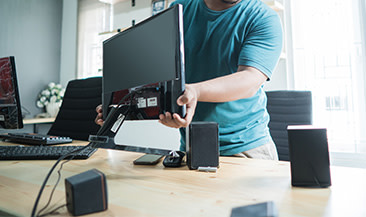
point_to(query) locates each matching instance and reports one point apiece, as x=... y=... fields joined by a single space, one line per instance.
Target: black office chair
x=287 y=108
x=77 y=112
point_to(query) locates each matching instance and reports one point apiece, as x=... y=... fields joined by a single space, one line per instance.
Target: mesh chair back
x=77 y=113
x=287 y=108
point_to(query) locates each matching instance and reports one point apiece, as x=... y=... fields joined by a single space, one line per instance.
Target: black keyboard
x=35 y=139
x=42 y=152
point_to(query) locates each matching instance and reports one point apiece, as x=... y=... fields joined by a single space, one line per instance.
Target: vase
x=53 y=108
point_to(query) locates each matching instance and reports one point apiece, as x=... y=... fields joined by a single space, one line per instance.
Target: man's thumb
x=182 y=100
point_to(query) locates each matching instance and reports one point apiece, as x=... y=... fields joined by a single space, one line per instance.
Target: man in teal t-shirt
x=231 y=50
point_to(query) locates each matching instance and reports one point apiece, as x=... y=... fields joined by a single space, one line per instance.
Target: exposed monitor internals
x=10 y=110
x=149 y=55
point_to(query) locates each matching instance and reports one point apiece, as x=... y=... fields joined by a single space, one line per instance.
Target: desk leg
x=35 y=129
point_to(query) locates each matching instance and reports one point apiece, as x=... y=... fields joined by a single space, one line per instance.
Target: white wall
x=31 y=31
x=124 y=13
x=68 y=41
x=283 y=76
x=279 y=79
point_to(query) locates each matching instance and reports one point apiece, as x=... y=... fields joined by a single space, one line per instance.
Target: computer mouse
x=174 y=159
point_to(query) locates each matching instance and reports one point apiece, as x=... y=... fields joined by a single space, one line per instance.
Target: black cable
x=100 y=132
x=54 y=188
x=115 y=109
x=53 y=211
x=49 y=174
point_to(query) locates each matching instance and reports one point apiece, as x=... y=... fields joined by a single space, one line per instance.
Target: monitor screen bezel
x=19 y=118
x=173 y=88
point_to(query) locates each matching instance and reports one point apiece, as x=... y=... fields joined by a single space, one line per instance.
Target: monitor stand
x=107 y=133
x=110 y=144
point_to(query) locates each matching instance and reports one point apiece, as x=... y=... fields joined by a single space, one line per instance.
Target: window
x=329 y=60
x=94 y=18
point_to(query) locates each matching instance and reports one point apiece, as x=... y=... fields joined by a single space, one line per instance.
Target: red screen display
x=7 y=91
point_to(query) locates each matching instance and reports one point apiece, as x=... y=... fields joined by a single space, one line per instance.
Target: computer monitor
x=149 y=55
x=10 y=110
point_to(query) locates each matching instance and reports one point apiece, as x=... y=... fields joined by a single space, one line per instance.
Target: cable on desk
x=53 y=190
x=53 y=211
x=49 y=174
x=101 y=131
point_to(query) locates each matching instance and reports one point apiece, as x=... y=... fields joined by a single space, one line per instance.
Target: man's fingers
x=170 y=120
x=98 y=109
x=185 y=98
x=180 y=121
x=168 y=115
x=182 y=100
x=99 y=121
x=189 y=113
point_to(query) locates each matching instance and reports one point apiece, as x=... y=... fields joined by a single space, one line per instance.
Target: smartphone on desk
x=148 y=159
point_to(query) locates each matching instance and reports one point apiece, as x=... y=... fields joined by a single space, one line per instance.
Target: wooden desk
x=158 y=191
x=36 y=121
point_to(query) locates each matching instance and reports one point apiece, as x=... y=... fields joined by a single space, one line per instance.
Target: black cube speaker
x=309 y=156
x=86 y=192
x=202 y=145
x=265 y=209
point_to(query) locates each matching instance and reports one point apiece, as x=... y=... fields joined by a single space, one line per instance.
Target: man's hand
x=188 y=98
x=99 y=119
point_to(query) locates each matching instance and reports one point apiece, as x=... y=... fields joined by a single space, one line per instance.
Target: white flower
x=54 y=93
x=46 y=93
x=51 y=85
x=39 y=104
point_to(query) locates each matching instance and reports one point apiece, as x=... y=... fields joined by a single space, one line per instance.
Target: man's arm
x=240 y=85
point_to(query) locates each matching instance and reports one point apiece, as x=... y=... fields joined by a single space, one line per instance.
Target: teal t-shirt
x=216 y=43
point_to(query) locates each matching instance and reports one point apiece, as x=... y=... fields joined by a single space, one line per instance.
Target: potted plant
x=51 y=98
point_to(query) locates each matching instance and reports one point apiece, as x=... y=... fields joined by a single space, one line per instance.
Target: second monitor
x=10 y=109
